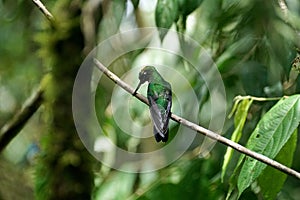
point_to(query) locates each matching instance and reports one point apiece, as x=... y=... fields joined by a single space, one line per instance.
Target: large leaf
x=239 y=121
x=188 y=6
x=135 y=3
x=165 y=14
x=271 y=133
x=269 y=187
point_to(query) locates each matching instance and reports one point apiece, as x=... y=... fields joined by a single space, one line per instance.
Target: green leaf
x=235 y=50
x=186 y=7
x=117 y=186
x=118 y=9
x=165 y=14
x=269 y=136
x=135 y=3
x=234 y=108
x=269 y=187
x=241 y=115
x=162 y=191
x=239 y=121
x=193 y=179
x=111 y=22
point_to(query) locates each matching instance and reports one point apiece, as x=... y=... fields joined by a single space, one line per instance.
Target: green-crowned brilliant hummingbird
x=159 y=95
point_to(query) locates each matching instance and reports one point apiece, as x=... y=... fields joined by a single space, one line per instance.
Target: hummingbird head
x=146 y=74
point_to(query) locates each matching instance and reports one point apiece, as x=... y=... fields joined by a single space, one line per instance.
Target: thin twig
x=13 y=127
x=44 y=10
x=200 y=129
x=239 y=98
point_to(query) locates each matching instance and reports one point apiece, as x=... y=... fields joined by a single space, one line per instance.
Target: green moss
x=65 y=167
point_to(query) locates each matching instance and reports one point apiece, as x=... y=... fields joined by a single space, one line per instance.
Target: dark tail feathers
x=159 y=138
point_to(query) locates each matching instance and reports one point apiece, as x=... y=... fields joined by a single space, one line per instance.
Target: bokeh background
x=253 y=44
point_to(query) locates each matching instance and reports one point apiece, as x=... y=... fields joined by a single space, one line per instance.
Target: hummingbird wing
x=160 y=100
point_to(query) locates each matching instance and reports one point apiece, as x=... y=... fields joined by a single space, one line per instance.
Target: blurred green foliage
x=20 y=71
x=253 y=43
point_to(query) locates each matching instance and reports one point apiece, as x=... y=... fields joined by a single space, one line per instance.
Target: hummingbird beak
x=139 y=85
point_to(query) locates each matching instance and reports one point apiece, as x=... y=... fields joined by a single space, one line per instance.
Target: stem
x=13 y=127
x=44 y=10
x=202 y=130
x=239 y=98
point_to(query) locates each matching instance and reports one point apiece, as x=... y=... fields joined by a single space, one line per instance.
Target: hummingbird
x=159 y=95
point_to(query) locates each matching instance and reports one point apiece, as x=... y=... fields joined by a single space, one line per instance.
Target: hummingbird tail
x=159 y=137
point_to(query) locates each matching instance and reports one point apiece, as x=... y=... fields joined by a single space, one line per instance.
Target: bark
x=65 y=167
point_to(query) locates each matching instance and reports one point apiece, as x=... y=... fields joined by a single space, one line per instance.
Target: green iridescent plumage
x=159 y=95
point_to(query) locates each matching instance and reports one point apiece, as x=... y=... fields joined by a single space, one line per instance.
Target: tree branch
x=44 y=10
x=13 y=127
x=200 y=129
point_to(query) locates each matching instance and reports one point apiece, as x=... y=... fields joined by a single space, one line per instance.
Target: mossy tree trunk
x=65 y=167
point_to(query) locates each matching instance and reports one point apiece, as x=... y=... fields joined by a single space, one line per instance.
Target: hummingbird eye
x=144 y=74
